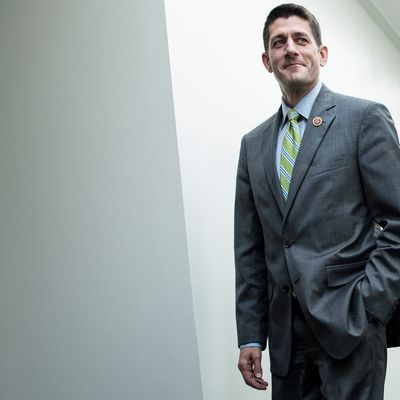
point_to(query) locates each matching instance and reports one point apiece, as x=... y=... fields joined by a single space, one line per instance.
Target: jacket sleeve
x=379 y=163
x=251 y=271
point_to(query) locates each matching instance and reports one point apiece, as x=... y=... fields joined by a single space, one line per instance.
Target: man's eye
x=301 y=40
x=278 y=43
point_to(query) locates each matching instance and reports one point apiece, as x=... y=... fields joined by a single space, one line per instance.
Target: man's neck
x=294 y=95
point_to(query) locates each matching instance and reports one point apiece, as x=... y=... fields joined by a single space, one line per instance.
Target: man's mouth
x=292 y=65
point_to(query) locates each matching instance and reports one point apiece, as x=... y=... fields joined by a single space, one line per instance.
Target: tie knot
x=293 y=115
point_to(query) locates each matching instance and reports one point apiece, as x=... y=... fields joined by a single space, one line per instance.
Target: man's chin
x=296 y=81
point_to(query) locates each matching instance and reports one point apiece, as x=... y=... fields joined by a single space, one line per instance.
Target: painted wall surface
x=221 y=91
x=95 y=298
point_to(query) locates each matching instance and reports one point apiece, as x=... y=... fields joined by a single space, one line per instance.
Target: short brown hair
x=289 y=10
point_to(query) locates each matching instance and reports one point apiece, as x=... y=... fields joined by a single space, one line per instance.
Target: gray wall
x=95 y=298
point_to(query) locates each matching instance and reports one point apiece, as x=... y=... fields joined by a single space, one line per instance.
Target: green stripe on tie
x=290 y=148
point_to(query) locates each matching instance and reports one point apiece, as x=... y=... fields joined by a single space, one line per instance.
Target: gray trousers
x=314 y=375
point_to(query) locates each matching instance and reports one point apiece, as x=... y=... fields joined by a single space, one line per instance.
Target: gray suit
x=335 y=243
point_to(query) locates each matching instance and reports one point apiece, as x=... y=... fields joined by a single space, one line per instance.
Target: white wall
x=221 y=91
x=95 y=298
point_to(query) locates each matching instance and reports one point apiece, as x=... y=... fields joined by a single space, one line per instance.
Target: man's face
x=293 y=55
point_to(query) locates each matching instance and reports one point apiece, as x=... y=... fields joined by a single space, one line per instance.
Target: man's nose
x=291 y=47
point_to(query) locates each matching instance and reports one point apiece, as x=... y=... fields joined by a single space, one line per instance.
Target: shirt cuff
x=251 y=344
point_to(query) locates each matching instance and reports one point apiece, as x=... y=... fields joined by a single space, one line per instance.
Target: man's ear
x=323 y=55
x=266 y=61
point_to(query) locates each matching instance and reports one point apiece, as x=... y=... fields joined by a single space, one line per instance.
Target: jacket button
x=287 y=243
x=285 y=289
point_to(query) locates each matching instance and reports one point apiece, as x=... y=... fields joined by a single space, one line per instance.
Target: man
x=317 y=230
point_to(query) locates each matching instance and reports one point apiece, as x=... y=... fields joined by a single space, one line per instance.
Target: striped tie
x=290 y=148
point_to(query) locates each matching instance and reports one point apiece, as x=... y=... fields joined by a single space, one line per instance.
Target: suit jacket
x=335 y=242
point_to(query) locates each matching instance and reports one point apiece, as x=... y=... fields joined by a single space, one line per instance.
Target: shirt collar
x=304 y=106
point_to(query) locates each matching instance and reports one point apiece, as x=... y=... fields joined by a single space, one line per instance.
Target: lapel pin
x=317 y=121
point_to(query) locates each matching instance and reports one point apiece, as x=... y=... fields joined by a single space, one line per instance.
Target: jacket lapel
x=269 y=159
x=312 y=138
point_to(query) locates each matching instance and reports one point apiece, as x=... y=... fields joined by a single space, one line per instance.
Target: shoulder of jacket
x=347 y=100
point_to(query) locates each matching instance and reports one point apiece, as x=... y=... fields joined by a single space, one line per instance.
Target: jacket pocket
x=341 y=274
x=331 y=165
